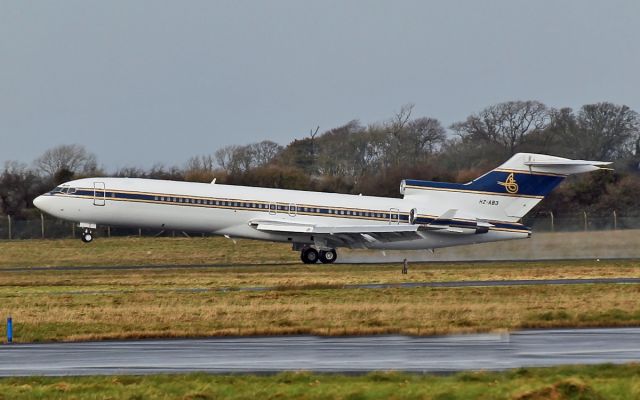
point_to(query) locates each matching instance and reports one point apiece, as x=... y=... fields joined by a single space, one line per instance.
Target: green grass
x=142 y=251
x=558 y=383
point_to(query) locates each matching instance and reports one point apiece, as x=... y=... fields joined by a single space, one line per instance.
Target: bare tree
x=200 y=169
x=264 y=152
x=19 y=185
x=424 y=136
x=72 y=158
x=505 y=124
x=200 y=163
x=401 y=118
x=226 y=157
x=397 y=128
x=606 y=131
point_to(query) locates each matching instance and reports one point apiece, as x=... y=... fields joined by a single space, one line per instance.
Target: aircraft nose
x=40 y=202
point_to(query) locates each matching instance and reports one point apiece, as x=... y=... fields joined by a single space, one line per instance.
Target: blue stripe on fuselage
x=528 y=184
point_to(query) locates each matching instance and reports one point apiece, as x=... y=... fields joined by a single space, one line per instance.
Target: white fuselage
x=229 y=210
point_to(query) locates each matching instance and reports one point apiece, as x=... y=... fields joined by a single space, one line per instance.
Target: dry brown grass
x=300 y=276
x=421 y=311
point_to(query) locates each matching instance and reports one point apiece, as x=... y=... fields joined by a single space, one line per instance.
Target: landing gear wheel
x=328 y=257
x=309 y=255
x=87 y=236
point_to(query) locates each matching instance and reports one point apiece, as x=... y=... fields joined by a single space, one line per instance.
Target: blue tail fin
x=511 y=190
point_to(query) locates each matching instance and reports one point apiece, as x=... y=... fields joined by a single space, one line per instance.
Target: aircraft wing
x=342 y=235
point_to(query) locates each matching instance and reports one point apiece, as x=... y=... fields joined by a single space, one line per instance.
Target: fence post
x=42 y=225
x=108 y=231
x=139 y=232
x=553 y=227
x=585 y=220
x=9 y=219
x=73 y=230
x=615 y=220
x=9 y=329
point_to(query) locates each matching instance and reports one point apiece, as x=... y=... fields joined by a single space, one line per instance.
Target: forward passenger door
x=99 y=194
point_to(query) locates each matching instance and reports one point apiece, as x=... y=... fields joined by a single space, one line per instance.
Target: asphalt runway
x=325 y=354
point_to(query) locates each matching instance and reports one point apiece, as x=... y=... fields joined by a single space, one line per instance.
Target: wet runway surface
x=325 y=354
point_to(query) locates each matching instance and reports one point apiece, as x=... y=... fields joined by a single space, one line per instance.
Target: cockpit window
x=63 y=189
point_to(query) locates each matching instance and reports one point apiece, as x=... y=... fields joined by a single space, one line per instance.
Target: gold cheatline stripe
x=242 y=201
x=473 y=192
x=299 y=212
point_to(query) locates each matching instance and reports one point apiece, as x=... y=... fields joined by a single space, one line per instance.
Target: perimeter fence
x=41 y=226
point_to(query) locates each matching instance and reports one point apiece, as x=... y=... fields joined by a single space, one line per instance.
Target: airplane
x=430 y=214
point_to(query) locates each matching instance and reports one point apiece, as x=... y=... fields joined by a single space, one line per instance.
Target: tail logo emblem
x=510 y=184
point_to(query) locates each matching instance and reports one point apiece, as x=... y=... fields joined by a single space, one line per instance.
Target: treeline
x=372 y=159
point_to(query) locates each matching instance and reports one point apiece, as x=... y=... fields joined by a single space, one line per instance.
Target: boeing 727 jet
x=429 y=215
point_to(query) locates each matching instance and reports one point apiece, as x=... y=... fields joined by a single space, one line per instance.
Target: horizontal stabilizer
x=566 y=162
x=565 y=166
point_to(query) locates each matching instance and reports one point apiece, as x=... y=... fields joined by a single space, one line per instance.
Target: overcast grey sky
x=140 y=82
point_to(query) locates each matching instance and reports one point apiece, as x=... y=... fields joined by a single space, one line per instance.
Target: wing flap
x=350 y=235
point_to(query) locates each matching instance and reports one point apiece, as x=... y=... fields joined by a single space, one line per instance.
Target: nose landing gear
x=87 y=236
x=309 y=255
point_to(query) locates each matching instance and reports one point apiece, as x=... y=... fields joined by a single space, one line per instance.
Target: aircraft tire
x=87 y=237
x=328 y=257
x=309 y=255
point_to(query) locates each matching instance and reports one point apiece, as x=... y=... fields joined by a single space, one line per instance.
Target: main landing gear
x=309 y=255
x=87 y=236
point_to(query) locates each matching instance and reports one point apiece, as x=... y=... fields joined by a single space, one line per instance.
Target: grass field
x=171 y=301
x=142 y=251
x=86 y=304
x=559 y=383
